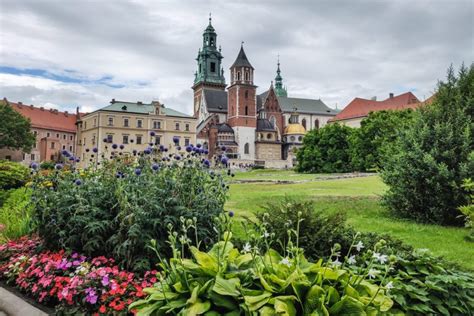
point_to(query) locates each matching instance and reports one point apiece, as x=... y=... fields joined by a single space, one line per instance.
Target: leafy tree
x=377 y=131
x=15 y=129
x=326 y=150
x=426 y=167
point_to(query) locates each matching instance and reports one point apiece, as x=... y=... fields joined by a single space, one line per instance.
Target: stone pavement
x=12 y=305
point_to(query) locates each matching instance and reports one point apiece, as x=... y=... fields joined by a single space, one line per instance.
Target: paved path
x=12 y=305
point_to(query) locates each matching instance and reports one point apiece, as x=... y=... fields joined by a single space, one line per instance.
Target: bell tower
x=209 y=73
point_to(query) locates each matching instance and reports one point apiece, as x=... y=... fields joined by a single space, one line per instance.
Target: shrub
x=468 y=210
x=47 y=165
x=16 y=215
x=426 y=167
x=259 y=281
x=117 y=209
x=326 y=150
x=377 y=131
x=12 y=175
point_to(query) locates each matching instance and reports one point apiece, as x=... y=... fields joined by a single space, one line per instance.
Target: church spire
x=279 y=89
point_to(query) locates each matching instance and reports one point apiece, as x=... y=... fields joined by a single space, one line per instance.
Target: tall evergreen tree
x=426 y=167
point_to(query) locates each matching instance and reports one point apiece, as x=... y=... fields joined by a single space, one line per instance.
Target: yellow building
x=131 y=124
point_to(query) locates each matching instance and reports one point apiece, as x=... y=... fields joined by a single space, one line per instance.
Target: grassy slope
x=359 y=198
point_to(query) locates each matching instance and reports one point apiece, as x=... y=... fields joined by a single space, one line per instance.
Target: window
x=186 y=142
x=64 y=136
x=273 y=121
x=32 y=156
x=247 y=76
x=84 y=141
x=139 y=123
x=156 y=124
x=177 y=126
x=187 y=127
x=139 y=139
x=51 y=158
x=24 y=156
x=57 y=135
x=316 y=124
x=212 y=40
x=95 y=122
x=125 y=139
x=269 y=136
x=111 y=121
x=64 y=146
x=246 y=110
x=199 y=68
x=8 y=157
x=52 y=145
x=110 y=139
x=157 y=140
x=246 y=148
x=213 y=67
x=35 y=133
x=292 y=138
x=125 y=122
x=238 y=75
x=47 y=134
x=70 y=148
x=300 y=138
x=70 y=137
x=289 y=120
x=178 y=138
x=303 y=122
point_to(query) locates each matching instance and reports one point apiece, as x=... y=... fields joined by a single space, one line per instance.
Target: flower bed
x=69 y=281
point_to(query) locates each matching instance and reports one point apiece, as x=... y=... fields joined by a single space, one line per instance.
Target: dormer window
x=124 y=108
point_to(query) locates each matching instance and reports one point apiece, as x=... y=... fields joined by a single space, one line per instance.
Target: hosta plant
x=257 y=280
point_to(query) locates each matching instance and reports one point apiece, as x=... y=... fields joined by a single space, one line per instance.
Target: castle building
x=134 y=125
x=263 y=129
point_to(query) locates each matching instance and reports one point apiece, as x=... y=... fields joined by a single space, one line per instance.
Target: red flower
x=102 y=309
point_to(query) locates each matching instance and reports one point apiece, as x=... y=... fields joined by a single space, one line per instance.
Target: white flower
x=359 y=246
x=265 y=234
x=389 y=286
x=383 y=259
x=286 y=261
x=336 y=262
x=373 y=273
x=247 y=248
x=351 y=259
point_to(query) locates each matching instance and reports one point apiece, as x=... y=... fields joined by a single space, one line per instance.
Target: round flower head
x=166 y=149
x=122 y=146
x=95 y=149
x=206 y=162
x=138 y=171
x=58 y=166
x=87 y=150
x=162 y=148
x=155 y=166
x=152 y=133
x=114 y=146
x=231 y=214
x=178 y=148
x=71 y=158
x=175 y=139
x=64 y=153
x=147 y=151
x=177 y=157
x=198 y=145
x=134 y=152
x=189 y=149
x=105 y=140
x=119 y=175
x=150 y=144
x=223 y=148
x=77 y=159
x=78 y=182
x=206 y=152
x=224 y=160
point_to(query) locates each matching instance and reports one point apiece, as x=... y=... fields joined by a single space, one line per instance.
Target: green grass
x=360 y=199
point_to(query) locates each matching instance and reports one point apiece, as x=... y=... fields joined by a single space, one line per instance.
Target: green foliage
x=12 y=175
x=115 y=212
x=259 y=281
x=425 y=168
x=377 y=132
x=15 y=129
x=47 y=165
x=468 y=210
x=326 y=150
x=16 y=215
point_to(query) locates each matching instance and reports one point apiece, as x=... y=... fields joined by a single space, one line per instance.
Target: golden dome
x=294 y=128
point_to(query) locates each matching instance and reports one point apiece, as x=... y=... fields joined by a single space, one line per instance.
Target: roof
x=225 y=128
x=362 y=107
x=216 y=100
x=264 y=125
x=241 y=60
x=310 y=106
x=294 y=129
x=140 y=108
x=47 y=118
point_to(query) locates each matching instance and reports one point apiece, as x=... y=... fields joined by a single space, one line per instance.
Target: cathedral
x=247 y=127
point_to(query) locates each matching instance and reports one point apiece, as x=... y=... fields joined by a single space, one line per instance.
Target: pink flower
x=105 y=280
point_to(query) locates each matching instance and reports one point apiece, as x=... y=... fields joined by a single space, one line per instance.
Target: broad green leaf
x=227 y=287
x=254 y=303
x=350 y=291
x=243 y=259
x=267 y=311
x=163 y=296
x=284 y=306
x=314 y=298
x=148 y=309
x=332 y=295
x=207 y=262
x=194 y=295
x=348 y=306
x=223 y=301
x=174 y=304
x=197 y=308
x=218 y=249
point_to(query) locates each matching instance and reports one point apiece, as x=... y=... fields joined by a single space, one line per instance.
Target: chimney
x=66 y=113
x=32 y=106
x=42 y=108
x=113 y=101
x=20 y=103
x=390 y=95
x=139 y=102
x=374 y=98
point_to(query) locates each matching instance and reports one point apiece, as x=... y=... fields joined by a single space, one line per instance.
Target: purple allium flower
x=224 y=160
x=77 y=159
x=175 y=139
x=177 y=157
x=155 y=166
x=189 y=149
x=206 y=162
x=114 y=146
x=58 y=166
x=72 y=158
x=162 y=148
x=231 y=214
x=198 y=145
x=65 y=153
x=122 y=146
x=166 y=149
x=78 y=182
x=178 y=148
x=152 y=133
x=134 y=152
x=87 y=150
x=147 y=151
x=95 y=149
x=223 y=148
x=119 y=175
x=105 y=140
x=34 y=165
x=206 y=151
x=138 y=171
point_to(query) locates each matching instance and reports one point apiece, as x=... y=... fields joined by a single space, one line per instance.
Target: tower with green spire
x=279 y=89
x=209 y=69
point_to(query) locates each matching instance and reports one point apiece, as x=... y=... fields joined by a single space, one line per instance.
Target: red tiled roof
x=47 y=118
x=362 y=107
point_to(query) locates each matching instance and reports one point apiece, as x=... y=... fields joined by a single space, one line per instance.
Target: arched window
x=246 y=110
x=316 y=124
x=246 y=148
x=269 y=136
x=273 y=121
x=238 y=75
x=247 y=76
x=303 y=122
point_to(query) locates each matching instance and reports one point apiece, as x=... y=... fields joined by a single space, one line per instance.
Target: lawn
x=359 y=198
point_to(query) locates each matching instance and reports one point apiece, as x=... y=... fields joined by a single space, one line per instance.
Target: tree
x=425 y=168
x=326 y=150
x=15 y=129
x=377 y=131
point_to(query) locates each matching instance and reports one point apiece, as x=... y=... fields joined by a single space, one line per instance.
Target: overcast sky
x=63 y=54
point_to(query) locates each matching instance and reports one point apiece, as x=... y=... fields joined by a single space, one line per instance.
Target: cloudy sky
x=64 y=53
